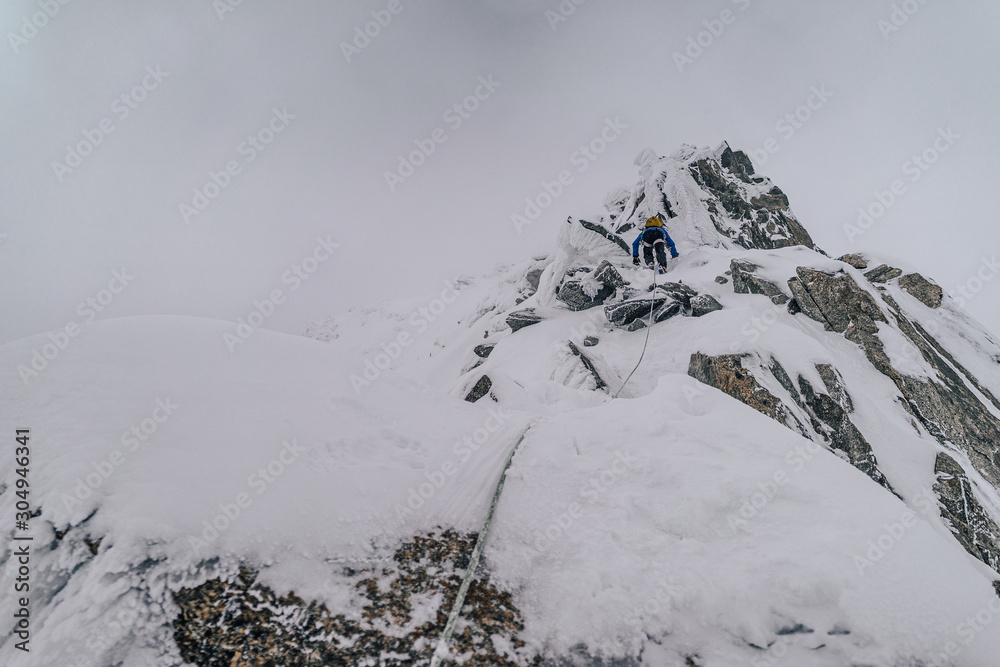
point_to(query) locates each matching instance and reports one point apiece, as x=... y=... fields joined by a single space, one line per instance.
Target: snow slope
x=671 y=524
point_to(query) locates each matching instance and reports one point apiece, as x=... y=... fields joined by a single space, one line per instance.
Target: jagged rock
x=590 y=341
x=583 y=289
x=855 y=260
x=765 y=221
x=722 y=280
x=523 y=318
x=945 y=405
x=611 y=236
x=746 y=281
x=727 y=373
x=834 y=300
x=883 y=273
x=534 y=277
x=242 y=622
x=635 y=325
x=589 y=365
x=924 y=290
x=668 y=310
x=623 y=314
x=972 y=526
x=704 y=304
x=481 y=388
x=483 y=351
x=837 y=428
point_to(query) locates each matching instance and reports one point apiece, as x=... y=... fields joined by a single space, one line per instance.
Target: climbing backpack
x=652 y=235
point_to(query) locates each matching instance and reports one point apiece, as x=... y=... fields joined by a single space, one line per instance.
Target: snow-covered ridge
x=803 y=470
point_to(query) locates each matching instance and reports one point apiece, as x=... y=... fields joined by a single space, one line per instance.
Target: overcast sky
x=199 y=79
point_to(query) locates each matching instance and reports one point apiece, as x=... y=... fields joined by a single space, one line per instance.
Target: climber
x=654 y=238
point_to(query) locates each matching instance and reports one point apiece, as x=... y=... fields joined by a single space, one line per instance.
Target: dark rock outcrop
x=970 y=523
x=589 y=365
x=765 y=220
x=883 y=273
x=241 y=622
x=534 y=277
x=703 y=304
x=827 y=412
x=611 y=236
x=722 y=280
x=481 y=388
x=834 y=300
x=623 y=314
x=727 y=373
x=668 y=310
x=483 y=351
x=523 y=318
x=855 y=260
x=945 y=405
x=922 y=289
x=591 y=341
x=746 y=281
x=582 y=288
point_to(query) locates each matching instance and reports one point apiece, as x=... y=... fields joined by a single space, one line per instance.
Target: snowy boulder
x=922 y=289
x=746 y=281
x=483 y=351
x=834 y=300
x=481 y=388
x=523 y=318
x=583 y=289
x=668 y=310
x=703 y=304
x=855 y=260
x=883 y=273
x=534 y=277
x=677 y=292
x=623 y=314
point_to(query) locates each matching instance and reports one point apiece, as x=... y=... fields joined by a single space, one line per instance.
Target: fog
x=204 y=150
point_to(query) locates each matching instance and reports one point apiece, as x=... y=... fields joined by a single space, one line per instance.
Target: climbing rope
x=649 y=327
x=441 y=652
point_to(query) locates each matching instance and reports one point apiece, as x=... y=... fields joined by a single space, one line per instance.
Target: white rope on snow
x=652 y=302
x=441 y=652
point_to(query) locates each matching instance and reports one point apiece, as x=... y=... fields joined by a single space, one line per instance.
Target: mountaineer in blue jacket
x=654 y=238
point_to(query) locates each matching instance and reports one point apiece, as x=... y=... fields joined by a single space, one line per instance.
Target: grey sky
x=323 y=173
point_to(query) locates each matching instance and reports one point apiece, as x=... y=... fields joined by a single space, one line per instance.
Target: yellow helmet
x=654 y=222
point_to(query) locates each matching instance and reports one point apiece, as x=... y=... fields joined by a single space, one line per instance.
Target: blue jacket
x=666 y=237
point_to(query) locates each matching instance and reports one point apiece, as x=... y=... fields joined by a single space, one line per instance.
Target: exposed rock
x=582 y=289
x=746 y=281
x=483 y=351
x=924 y=290
x=523 y=318
x=481 y=388
x=635 y=325
x=241 y=622
x=623 y=314
x=590 y=341
x=764 y=221
x=837 y=428
x=883 y=273
x=704 y=304
x=722 y=280
x=834 y=300
x=534 y=277
x=855 y=260
x=611 y=236
x=727 y=373
x=589 y=365
x=972 y=526
x=945 y=405
x=668 y=310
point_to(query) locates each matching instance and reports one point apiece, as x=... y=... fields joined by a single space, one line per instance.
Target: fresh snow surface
x=671 y=521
